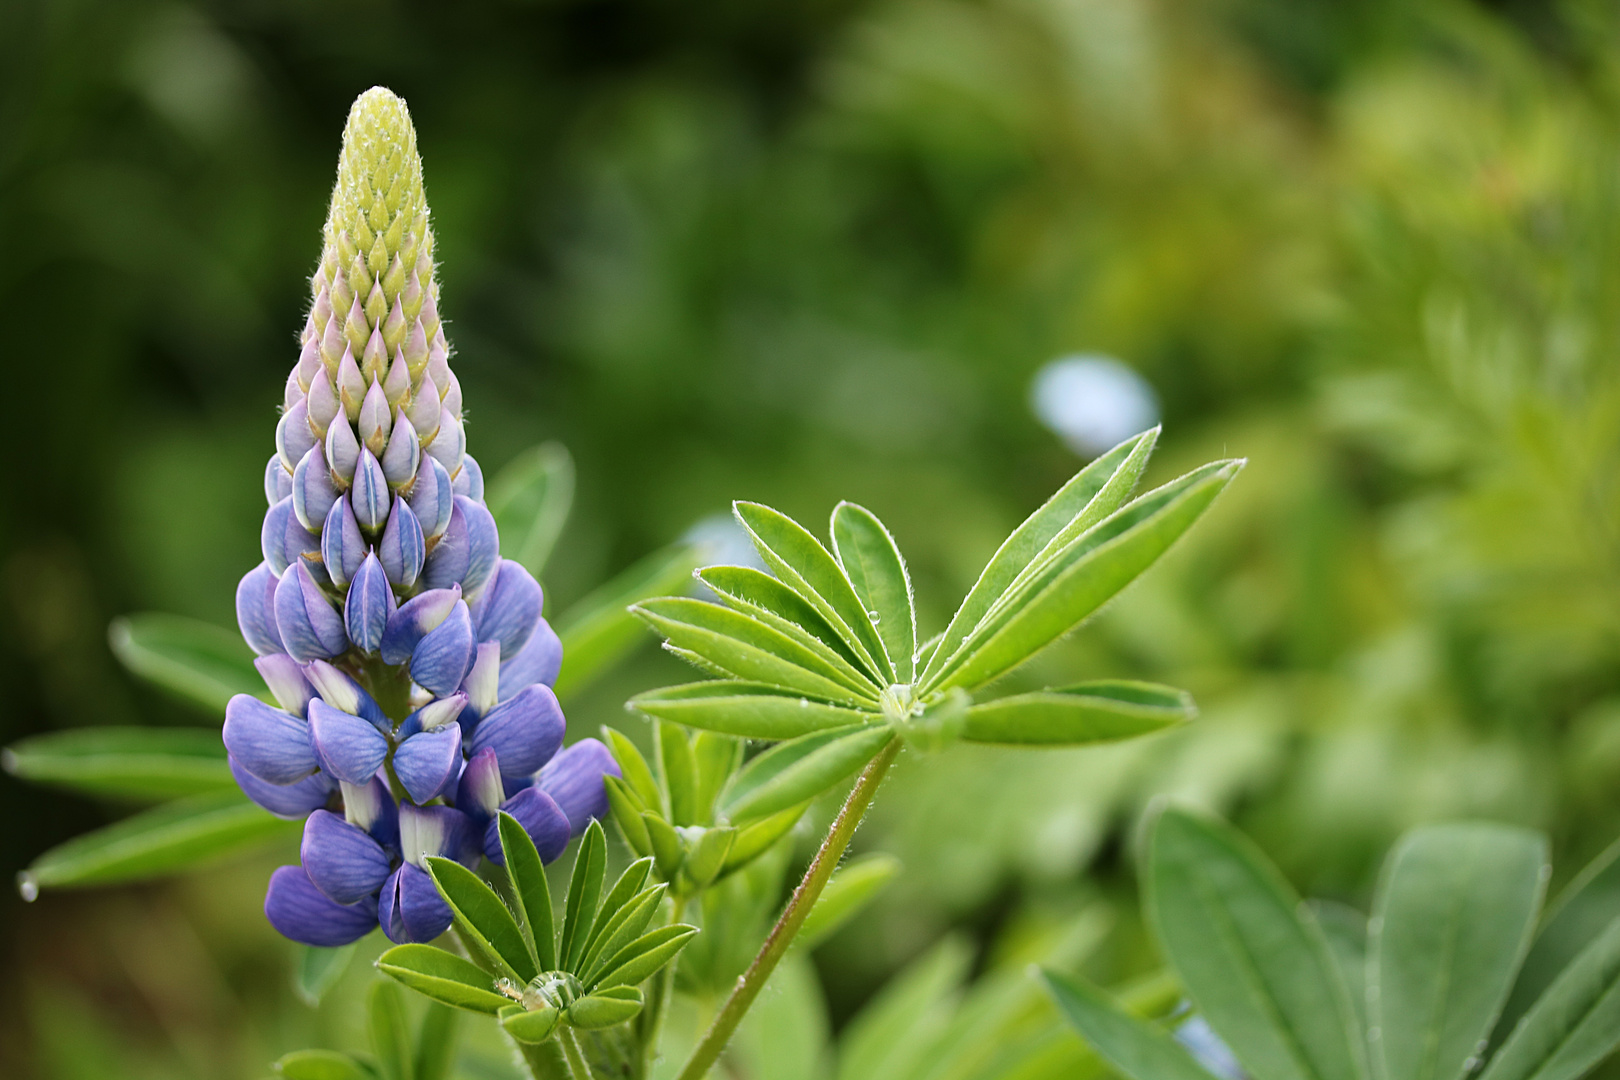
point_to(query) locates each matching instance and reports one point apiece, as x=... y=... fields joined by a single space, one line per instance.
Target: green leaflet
x=165 y=839
x=754 y=592
x=749 y=710
x=127 y=762
x=528 y=877
x=707 y=857
x=645 y=955
x=1076 y=502
x=1580 y=914
x=636 y=773
x=529 y=1027
x=626 y=809
x=626 y=926
x=1250 y=956
x=442 y=976
x=390 y=1040
x=803 y=564
x=598 y=632
x=1451 y=922
x=679 y=772
x=485 y=922
x=1134 y=1047
x=628 y=887
x=530 y=499
x=318 y=970
x=1080 y=578
x=716 y=757
x=322 y=1065
x=746 y=648
x=606 y=1007
x=1087 y=713
x=877 y=571
x=1345 y=929
x=584 y=890
x=855 y=884
x=1574 y=1025
x=795 y=771
x=436 y=1042
x=665 y=843
x=752 y=841
x=194 y=660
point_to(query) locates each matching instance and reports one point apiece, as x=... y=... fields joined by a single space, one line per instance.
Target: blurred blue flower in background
x=1093 y=402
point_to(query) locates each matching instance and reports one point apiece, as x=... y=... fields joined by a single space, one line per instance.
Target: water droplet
x=875 y=617
x=804 y=703
x=27 y=887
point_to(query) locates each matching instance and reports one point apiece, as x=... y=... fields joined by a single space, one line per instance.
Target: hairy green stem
x=578 y=1067
x=793 y=916
x=545 y=1060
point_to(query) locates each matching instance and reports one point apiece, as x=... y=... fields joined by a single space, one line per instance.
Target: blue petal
x=432 y=499
x=402 y=547
x=271 y=744
x=449 y=444
x=284 y=677
x=368 y=605
x=480 y=792
x=342 y=448
x=403 y=454
x=540 y=816
x=348 y=747
x=370 y=806
x=338 y=689
x=291 y=801
x=277 y=484
x=435 y=714
x=342 y=546
x=410 y=908
x=436 y=830
x=297 y=908
x=299 y=542
x=369 y=496
x=483 y=546
x=427 y=761
x=313 y=492
x=256 y=610
x=414 y=619
x=574 y=779
x=482 y=685
x=342 y=861
x=525 y=731
x=310 y=626
x=447 y=563
x=509 y=608
x=273 y=535
x=470 y=480
x=293 y=436
x=441 y=659
x=537 y=662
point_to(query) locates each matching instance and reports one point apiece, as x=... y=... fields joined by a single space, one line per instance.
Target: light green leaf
x=194 y=660
x=679 y=771
x=746 y=648
x=527 y=875
x=530 y=499
x=436 y=1042
x=127 y=762
x=1574 y=1025
x=626 y=926
x=626 y=809
x=1451 y=923
x=1249 y=954
x=1578 y=917
x=319 y=970
x=322 y=1065
x=584 y=892
x=716 y=756
x=795 y=771
x=598 y=631
x=485 y=922
x=529 y=1027
x=855 y=884
x=754 y=592
x=1345 y=929
x=877 y=571
x=754 y=840
x=893 y=1033
x=1080 y=578
x=668 y=852
x=1134 y=1047
x=636 y=772
x=604 y=1008
x=626 y=894
x=164 y=840
x=803 y=564
x=1079 y=503
x=390 y=1041
x=749 y=710
x=443 y=977
x=1087 y=713
x=643 y=956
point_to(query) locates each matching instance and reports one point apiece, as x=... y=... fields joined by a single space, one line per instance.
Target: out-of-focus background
x=923 y=254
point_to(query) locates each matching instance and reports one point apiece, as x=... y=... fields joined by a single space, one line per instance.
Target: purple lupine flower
x=409 y=664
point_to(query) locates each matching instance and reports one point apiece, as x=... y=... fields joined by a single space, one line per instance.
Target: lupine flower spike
x=409 y=663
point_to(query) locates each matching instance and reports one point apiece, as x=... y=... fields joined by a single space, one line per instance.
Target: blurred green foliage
x=817 y=250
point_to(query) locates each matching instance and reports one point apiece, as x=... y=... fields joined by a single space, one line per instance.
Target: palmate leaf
x=194 y=660
x=1574 y=1025
x=530 y=499
x=749 y=710
x=485 y=923
x=599 y=631
x=1249 y=953
x=872 y=562
x=442 y=976
x=1086 y=713
x=1451 y=923
x=528 y=877
x=795 y=771
x=1136 y=1048
x=124 y=762
x=754 y=592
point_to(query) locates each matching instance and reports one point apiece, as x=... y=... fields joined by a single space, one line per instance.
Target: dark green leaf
x=1451 y=924
x=318 y=970
x=1076 y=503
x=1134 y=1047
x=855 y=884
x=390 y=1041
x=604 y=1008
x=679 y=771
x=635 y=769
x=639 y=959
x=443 y=977
x=527 y=875
x=529 y=1027
x=717 y=756
x=1574 y=1025
x=795 y=771
x=746 y=648
x=194 y=660
x=626 y=891
x=485 y=922
x=322 y=1065
x=436 y=1042
x=128 y=762
x=1080 y=578
x=1248 y=953
x=530 y=499
x=1087 y=713
x=803 y=564
x=164 y=840
x=754 y=592
x=749 y=710
x=877 y=571
x=625 y=926
x=584 y=891
x=598 y=631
